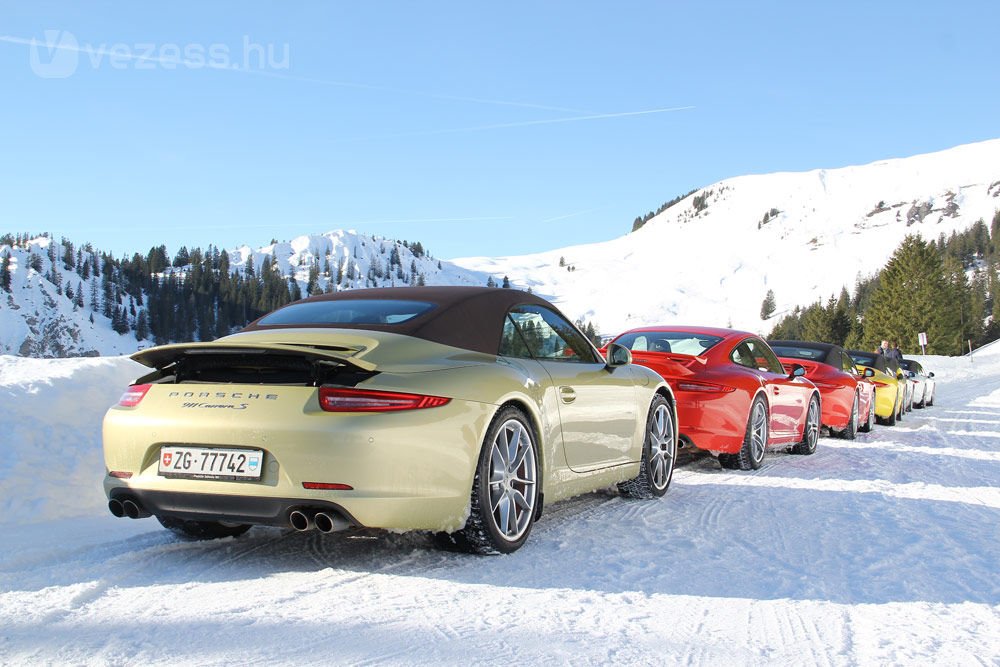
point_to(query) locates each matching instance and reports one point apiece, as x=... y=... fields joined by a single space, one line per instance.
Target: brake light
x=341 y=399
x=688 y=385
x=133 y=395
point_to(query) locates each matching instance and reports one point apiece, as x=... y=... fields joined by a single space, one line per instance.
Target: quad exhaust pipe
x=127 y=507
x=325 y=522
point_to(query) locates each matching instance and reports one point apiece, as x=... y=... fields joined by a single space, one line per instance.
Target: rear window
x=348 y=311
x=795 y=352
x=668 y=341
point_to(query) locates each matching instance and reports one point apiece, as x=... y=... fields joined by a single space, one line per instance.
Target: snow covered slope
x=879 y=551
x=711 y=258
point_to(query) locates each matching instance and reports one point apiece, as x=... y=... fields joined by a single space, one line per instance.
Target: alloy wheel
x=662 y=447
x=513 y=478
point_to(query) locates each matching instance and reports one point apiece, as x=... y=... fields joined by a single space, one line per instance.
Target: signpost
x=922 y=339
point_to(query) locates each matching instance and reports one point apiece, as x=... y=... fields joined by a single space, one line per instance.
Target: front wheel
x=659 y=451
x=202 y=530
x=810 y=432
x=505 y=488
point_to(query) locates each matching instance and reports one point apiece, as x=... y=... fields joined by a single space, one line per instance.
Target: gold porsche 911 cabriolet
x=455 y=410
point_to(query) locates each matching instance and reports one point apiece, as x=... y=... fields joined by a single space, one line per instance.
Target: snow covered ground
x=885 y=550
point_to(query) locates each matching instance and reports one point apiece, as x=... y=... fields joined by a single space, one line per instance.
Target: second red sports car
x=734 y=398
x=848 y=397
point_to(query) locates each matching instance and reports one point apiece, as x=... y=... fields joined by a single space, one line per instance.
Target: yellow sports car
x=889 y=385
x=448 y=409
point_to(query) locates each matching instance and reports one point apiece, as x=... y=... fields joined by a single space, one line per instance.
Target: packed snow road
x=882 y=550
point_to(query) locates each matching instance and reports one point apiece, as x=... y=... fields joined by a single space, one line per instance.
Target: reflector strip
x=327 y=486
x=120 y=474
x=340 y=399
x=687 y=385
x=133 y=395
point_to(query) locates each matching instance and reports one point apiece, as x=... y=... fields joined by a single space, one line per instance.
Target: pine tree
x=913 y=296
x=506 y=282
x=490 y=282
x=767 y=306
x=5 y=277
x=141 y=325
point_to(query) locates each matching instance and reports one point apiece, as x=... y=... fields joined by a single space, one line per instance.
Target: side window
x=512 y=342
x=743 y=356
x=763 y=357
x=848 y=364
x=546 y=335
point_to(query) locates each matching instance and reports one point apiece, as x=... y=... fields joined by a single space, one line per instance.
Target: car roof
x=831 y=352
x=471 y=318
x=878 y=361
x=710 y=331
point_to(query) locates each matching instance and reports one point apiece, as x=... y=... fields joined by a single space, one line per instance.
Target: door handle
x=567 y=394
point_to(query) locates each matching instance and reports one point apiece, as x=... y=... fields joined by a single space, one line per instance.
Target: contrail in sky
x=204 y=64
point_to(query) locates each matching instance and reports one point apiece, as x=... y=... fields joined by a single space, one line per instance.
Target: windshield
x=863 y=358
x=678 y=342
x=796 y=352
x=347 y=311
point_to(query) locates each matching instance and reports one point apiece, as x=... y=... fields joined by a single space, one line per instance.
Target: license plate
x=210 y=462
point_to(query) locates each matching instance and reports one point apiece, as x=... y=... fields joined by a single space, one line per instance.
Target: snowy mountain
x=57 y=310
x=708 y=259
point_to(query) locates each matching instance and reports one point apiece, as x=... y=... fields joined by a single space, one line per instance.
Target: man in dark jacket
x=895 y=353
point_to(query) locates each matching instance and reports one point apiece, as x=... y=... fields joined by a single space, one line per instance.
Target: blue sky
x=475 y=129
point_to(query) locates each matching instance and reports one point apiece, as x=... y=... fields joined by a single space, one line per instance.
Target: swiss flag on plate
x=167 y=458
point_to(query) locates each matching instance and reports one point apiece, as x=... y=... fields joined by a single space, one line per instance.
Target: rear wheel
x=810 y=433
x=929 y=401
x=504 y=491
x=870 y=421
x=751 y=453
x=852 y=424
x=202 y=530
x=658 y=454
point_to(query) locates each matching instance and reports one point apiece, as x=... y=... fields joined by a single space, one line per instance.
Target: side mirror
x=618 y=355
x=911 y=374
x=869 y=372
x=930 y=375
x=797 y=371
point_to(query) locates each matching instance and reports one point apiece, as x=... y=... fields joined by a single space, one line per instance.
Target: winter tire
x=659 y=451
x=810 y=432
x=751 y=453
x=870 y=422
x=505 y=489
x=202 y=530
x=852 y=424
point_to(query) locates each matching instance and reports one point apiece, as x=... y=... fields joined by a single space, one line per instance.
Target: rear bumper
x=231 y=509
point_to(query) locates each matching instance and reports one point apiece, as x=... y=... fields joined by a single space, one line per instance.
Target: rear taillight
x=339 y=399
x=133 y=395
x=688 y=385
x=327 y=486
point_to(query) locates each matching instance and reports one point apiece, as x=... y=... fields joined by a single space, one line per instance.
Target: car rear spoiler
x=164 y=355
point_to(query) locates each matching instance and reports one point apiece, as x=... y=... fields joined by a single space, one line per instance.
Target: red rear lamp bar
x=688 y=385
x=120 y=474
x=342 y=399
x=327 y=486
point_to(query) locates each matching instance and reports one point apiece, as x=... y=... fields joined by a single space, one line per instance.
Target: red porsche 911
x=848 y=397
x=734 y=398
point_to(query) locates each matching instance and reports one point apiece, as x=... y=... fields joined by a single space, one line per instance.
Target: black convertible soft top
x=826 y=353
x=876 y=361
x=471 y=318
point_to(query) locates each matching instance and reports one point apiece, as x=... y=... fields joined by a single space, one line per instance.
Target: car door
x=785 y=396
x=596 y=404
